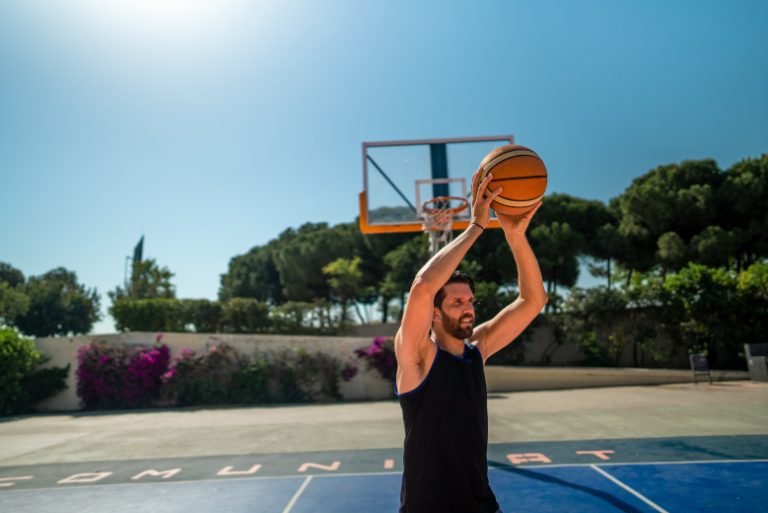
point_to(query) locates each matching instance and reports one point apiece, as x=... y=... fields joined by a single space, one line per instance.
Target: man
x=440 y=379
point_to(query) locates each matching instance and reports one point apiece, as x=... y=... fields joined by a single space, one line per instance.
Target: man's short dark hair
x=456 y=277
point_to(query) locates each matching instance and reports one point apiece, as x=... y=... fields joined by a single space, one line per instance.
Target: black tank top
x=446 y=439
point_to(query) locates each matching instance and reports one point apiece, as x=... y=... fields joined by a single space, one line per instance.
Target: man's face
x=457 y=311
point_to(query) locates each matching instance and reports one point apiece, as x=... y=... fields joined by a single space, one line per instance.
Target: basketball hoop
x=438 y=214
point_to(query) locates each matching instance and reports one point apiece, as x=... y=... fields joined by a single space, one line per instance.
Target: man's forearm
x=530 y=282
x=440 y=267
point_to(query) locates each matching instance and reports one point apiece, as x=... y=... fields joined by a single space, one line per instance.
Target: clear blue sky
x=210 y=126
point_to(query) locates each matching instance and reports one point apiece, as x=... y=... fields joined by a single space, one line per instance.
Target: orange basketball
x=520 y=172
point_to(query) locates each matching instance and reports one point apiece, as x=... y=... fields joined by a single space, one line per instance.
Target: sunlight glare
x=172 y=19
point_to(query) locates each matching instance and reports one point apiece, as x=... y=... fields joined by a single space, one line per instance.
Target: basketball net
x=438 y=215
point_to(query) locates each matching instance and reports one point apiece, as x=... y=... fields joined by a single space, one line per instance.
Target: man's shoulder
x=477 y=342
x=421 y=347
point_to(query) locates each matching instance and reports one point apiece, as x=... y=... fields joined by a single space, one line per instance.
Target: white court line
x=626 y=464
x=364 y=474
x=629 y=489
x=298 y=493
x=691 y=462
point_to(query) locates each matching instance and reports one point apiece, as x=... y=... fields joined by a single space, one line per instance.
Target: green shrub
x=283 y=381
x=41 y=384
x=305 y=318
x=221 y=375
x=250 y=383
x=245 y=315
x=196 y=379
x=605 y=322
x=705 y=312
x=236 y=315
x=316 y=376
x=159 y=314
x=203 y=315
x=22 y=382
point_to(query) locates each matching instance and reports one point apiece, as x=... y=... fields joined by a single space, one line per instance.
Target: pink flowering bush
x=113 y=376
x=118 y=376
x=221 y=375
x=349 y=370
x=203 y=378
x=380 y=356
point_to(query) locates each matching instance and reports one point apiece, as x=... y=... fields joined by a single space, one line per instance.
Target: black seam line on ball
x=517 y=178
x=517 y=199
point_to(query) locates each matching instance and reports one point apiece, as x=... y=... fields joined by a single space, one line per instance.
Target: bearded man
x=441 y=356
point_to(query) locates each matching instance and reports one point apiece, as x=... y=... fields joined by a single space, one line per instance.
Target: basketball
x=520 y=172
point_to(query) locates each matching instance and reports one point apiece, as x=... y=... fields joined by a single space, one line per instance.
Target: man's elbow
x=540 y=300
x=420 y=285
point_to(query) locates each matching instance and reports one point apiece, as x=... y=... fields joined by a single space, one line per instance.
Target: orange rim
x=463 y=204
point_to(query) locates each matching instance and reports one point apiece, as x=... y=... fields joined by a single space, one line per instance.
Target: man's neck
x=448 y=343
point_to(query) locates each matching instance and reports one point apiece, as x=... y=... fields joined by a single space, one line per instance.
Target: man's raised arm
x=513 y=319
x=417 y=317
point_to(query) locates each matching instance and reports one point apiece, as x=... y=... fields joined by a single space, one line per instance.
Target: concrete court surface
x=730 y=408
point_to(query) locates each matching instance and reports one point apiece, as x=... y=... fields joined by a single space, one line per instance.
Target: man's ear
x=435 y=314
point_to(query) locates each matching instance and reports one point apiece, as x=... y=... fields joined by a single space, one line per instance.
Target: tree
x=557 y=248
x=148 y=281
x=300 y=256
x=610 y=245
x=715 y=247
x=372 y=250
x=490 y=259
x=10 y=275
x=58 y=305
x=742 y=210
x=676 y=198
x=346 y=281
x=403 y=263
x=585 y=217
x=672 y=252
x=490 y=299
x=593 y=232
x=13 y=301
x=253 y=275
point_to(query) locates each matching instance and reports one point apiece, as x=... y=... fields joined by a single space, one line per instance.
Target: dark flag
x=138 y=251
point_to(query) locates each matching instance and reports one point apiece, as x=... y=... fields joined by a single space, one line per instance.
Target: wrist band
x=483 y=229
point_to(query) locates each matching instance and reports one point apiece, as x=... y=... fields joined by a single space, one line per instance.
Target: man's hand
x=517 y=225
x=481 y=202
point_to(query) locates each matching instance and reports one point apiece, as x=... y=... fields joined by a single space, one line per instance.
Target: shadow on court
x=550 y=480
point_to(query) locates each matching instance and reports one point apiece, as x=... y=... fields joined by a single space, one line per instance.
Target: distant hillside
x=391 y=215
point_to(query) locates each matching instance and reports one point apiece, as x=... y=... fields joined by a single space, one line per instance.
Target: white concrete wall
x=367 y=385
x=510 y=379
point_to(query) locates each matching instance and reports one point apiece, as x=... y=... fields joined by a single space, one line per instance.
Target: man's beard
x=455 y=328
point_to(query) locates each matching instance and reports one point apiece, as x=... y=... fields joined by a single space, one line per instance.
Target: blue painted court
x=617 y=481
